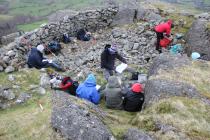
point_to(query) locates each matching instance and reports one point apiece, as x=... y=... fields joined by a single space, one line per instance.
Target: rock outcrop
x=78 y=119
x=197 y=38
x=135 y=134
x=167 y=62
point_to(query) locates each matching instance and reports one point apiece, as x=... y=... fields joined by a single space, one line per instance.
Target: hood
x=170 y=22
x=113 y=82
x=90 y=80
x=107 y=46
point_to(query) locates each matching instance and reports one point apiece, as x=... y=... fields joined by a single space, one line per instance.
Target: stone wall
x=13 y=55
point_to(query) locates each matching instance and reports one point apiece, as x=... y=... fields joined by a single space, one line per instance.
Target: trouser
x=159 y=37
x=54 y=65
x=107 y=73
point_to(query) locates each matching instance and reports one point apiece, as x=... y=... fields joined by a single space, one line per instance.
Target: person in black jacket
x=36 y=59
x=134 y=98
x=83 y=35
x=108 y=57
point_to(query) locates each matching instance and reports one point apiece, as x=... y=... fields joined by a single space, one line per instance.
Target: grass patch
x=197 y=75
x=5 y=17
x=31 y=26
x=190 y=117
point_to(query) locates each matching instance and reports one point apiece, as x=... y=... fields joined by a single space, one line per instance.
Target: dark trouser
x=159 y=37
x=107 y=73
x=54 y=65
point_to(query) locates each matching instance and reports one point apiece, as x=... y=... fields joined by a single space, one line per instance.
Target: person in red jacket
x=160 y=30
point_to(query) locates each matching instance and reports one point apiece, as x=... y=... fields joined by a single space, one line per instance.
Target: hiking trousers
x=159 y=37
x=107 y=73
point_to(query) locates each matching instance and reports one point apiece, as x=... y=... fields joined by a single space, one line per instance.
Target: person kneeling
x=134 y=98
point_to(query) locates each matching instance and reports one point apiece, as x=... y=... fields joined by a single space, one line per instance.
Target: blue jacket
x=87 y=90
x=35 y=59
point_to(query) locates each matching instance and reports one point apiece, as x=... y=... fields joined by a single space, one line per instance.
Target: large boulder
x=78 y=119
x=126 y=14
x=166 y=62
x=135 y=134
x=157 y=89
x=197 y=38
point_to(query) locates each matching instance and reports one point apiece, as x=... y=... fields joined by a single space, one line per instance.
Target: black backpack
x=135 y=76
x=53 y=47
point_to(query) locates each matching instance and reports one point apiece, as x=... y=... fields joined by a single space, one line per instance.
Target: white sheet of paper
x=120 y=68
x=97 y=87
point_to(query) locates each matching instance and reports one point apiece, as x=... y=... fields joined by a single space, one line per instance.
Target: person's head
x=114 y=82
x=195 y=55
x=113 y=49
x=40 y=48
x=90 y=79
x=137 y=88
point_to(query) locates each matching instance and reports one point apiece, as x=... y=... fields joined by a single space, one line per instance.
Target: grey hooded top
x=113 y=93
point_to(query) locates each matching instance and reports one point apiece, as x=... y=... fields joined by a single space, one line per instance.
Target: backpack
x=165 y=42
x=135 y=76
x=66 y=38
x=71 y=89
x=53 y=47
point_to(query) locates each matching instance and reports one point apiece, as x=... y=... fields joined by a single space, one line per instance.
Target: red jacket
x=164 y=27
x=65 y=84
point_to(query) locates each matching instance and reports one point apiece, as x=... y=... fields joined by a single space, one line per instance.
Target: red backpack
x=165 y=42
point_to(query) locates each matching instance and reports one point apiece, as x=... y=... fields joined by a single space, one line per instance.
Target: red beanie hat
x=136 y=88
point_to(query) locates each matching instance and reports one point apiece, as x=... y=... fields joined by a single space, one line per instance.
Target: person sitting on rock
x=108 y=57
x=88 y=91
x=113 y=93
x=160 y=30
x=36 y=59
x=83 y=35
x=134 y=98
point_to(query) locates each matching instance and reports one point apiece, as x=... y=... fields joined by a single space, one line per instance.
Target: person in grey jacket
x=113 y=93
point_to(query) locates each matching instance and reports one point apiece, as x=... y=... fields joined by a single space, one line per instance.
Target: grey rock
x=44 y=80
x=197 y=38
x=1 y=69
x=11 y=53
x=23 y=97
x=135 y=134
x=9 y=69
x=78 y=119
x=41 y=91
x=11 y=77
x=126 y=13
x=167 y=61
x=7 y=94
x=157 y=89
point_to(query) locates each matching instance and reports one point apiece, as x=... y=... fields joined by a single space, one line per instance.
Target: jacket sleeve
x=103 y=61
x=118 y=56
x=168 y=30
x=40 y=62
x=96 y=97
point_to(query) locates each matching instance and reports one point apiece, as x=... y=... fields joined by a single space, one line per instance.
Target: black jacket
x=108 y=60
x=35 y=59
x=133 y=101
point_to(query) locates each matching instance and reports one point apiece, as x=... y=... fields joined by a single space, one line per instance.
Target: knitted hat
x=40 y=48
x=137 y=88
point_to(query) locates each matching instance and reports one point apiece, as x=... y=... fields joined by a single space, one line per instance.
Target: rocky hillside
x=177 y=97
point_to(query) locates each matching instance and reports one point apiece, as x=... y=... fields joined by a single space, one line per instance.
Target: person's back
x=87 y=90
x=69 y=86
x=164 y=27
x=35 y=58
x=134 y=99
x=113 y=93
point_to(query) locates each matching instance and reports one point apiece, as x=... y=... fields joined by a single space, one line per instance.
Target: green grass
x=45 y=7
x=188 y=116
x=5 y=17
x=31 y=26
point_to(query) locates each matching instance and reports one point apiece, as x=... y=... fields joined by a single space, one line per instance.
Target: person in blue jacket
x=88 y=91
x=37 y=60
